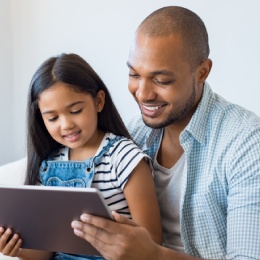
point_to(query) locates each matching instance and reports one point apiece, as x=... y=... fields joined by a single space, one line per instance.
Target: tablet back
x=43 y=215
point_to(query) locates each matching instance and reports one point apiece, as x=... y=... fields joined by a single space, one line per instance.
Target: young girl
x=77 y=138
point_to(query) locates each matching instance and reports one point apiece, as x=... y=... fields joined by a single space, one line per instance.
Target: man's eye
x=163 y=82
x=76 y=112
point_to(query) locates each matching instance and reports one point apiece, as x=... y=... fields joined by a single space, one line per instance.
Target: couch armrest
x=13 y=173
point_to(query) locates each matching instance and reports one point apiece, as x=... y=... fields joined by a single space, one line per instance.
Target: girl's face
x=71 y=117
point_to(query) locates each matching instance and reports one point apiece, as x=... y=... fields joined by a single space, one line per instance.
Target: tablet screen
x=42 y=215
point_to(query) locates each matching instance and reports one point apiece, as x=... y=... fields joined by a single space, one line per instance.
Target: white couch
x=2 y=257
x=12 y=174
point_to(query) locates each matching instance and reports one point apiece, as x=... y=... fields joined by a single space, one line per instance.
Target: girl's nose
x=67 y=123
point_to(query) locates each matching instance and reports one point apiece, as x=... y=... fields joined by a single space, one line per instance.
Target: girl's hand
x=9 y=243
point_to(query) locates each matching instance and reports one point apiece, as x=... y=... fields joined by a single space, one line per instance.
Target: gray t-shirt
x=168 y=185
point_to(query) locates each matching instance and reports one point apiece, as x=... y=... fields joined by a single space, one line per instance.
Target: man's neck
x=170 y=149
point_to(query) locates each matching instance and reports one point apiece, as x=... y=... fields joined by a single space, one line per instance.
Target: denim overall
x=72 y=174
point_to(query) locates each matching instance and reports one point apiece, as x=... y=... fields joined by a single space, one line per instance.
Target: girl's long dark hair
x=73 y=70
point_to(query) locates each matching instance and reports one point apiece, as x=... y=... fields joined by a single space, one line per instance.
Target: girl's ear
x=100 y=100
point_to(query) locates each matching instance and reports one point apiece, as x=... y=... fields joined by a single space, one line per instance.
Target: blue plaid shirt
x=220 y=204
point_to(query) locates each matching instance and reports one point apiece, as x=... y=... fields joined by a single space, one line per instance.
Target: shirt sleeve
x=243 y=212
x=126 y=156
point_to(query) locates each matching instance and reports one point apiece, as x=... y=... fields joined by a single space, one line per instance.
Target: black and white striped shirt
x=112 y=173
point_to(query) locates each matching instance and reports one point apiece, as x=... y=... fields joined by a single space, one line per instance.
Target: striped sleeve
x=125 y=156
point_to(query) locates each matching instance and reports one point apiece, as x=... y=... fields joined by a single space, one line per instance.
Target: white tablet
x=42 y=215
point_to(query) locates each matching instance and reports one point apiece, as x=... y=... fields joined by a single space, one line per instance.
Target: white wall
x=101 y=31
x=6 y=106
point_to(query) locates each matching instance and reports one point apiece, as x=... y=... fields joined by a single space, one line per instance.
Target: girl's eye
x=132 y=75
x=76 y=112
x=52 y=119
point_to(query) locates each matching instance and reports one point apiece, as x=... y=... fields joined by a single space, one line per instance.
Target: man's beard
x=176 y=115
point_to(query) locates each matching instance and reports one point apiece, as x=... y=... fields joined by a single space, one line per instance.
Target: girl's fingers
x=2 y=230
x=11 y=247
x=16 y=246
x=5 y=235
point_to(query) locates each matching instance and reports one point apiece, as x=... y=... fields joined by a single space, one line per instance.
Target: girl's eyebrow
x=68 y=106
x=129 y=65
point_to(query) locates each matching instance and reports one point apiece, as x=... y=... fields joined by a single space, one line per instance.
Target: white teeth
x=72 y=135
x=151 y=108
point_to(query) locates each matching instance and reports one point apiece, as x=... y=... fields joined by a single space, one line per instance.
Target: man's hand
x=118 y=240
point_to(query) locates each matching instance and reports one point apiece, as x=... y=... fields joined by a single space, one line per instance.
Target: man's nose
x=145 y=91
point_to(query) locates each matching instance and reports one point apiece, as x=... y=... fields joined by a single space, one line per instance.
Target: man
x=205 y=152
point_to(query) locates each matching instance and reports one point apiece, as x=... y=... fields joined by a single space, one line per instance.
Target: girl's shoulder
x=118 y=139
x=120 y=145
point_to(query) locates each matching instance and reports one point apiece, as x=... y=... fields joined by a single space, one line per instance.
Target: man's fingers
x=87 y=232
x=99 y=222
x=123 y=220
x=113 y=239
x=92 y=226
x=97 y=237
x=106 y=224
x=90 y=232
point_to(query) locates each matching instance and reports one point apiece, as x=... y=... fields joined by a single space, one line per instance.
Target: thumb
x=123 y=220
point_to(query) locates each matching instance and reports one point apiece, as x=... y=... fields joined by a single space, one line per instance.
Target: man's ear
x=100 y=100
x=203 y=70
